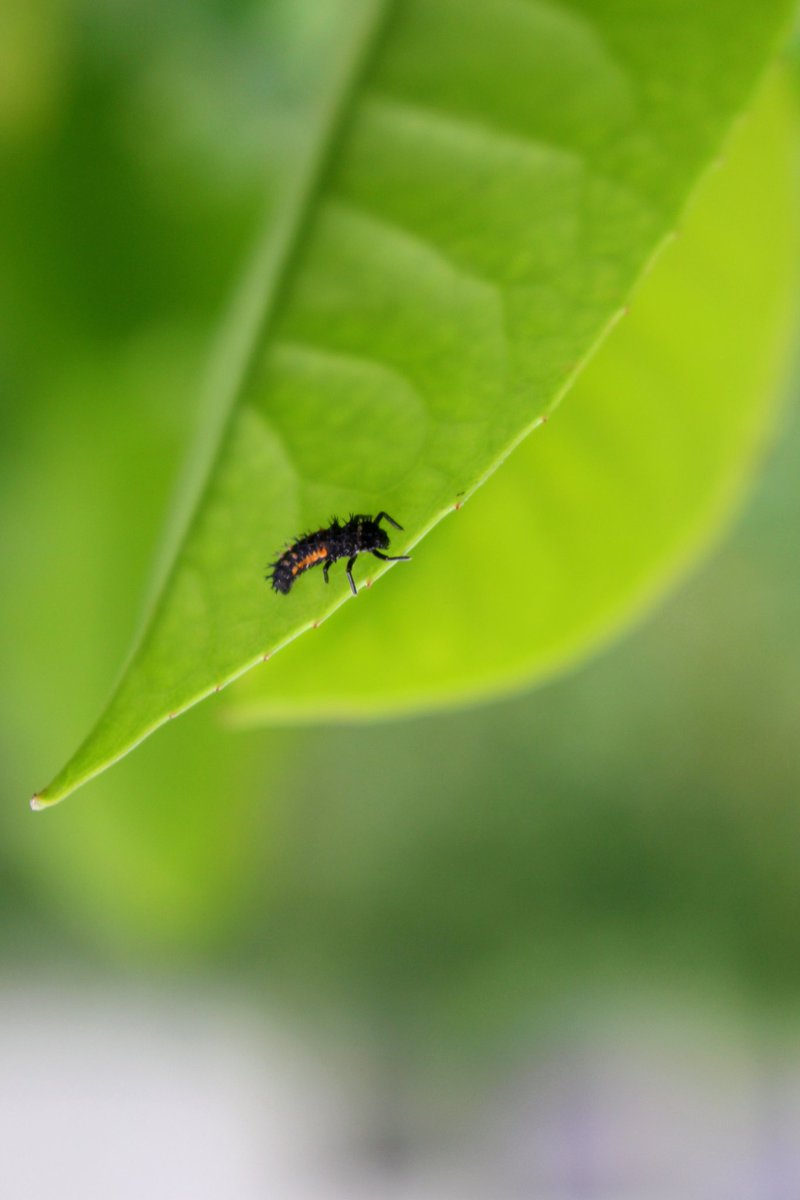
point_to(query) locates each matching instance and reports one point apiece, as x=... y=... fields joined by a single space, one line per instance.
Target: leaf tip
x=36 y=802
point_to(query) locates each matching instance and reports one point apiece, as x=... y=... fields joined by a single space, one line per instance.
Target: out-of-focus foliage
x=630 y=830
x=473 y=197
x=149 y=137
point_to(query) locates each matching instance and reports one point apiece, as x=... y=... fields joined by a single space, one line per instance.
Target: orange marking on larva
x=310 y=559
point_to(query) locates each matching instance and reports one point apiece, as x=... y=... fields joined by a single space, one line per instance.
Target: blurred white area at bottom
x=127 y=1094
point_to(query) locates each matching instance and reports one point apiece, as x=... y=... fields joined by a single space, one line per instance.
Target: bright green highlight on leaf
x=591 y=518
x=481 y=189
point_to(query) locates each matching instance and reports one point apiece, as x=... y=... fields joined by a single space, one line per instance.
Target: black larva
x=360 y=534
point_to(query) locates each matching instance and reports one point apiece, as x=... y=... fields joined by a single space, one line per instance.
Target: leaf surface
x=480 y=189
x=593 y=517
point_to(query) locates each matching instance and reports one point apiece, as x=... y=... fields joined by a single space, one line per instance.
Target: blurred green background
x=438 y=891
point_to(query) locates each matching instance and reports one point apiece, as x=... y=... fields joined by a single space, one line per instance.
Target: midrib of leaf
x=246 y=326
x=249 y=316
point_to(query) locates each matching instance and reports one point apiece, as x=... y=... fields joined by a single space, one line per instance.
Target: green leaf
x=590 y=521
x=480 y=189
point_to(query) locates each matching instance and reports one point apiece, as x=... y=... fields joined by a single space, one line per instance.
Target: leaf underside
x=479 y=191
x=593 y=517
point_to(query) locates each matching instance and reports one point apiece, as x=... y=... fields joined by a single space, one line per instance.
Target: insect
x=360 y=534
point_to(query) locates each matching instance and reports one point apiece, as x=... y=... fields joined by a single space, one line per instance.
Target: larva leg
x=385 y=516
